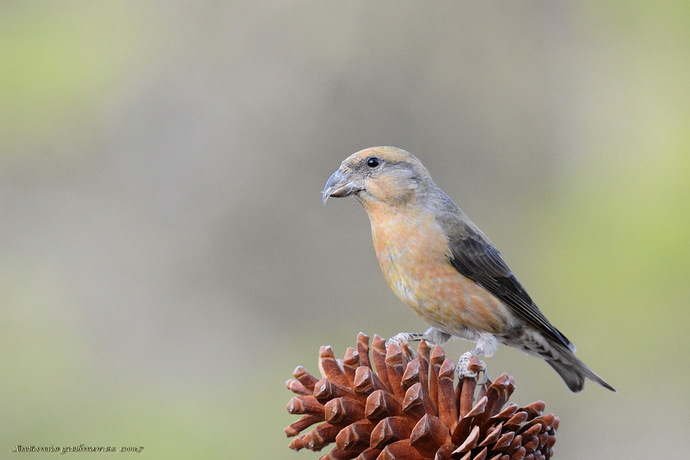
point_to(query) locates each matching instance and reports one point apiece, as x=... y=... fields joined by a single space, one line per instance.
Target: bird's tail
x=573 y=372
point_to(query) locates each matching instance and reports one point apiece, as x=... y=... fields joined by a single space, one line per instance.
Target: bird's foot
x=401 y=340
x=469 y=366
x=404 y=338
x=432 y=335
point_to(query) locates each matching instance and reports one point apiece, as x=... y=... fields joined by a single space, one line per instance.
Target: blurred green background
x=165 y=259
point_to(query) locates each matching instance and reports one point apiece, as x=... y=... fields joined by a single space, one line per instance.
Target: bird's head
x=378 y=175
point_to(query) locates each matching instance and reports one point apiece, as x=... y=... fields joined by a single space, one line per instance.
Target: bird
x=438 y=262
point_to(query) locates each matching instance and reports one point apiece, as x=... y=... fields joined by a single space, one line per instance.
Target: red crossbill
x=439 y=262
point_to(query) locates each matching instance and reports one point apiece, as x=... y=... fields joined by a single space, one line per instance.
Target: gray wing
x=473 y=255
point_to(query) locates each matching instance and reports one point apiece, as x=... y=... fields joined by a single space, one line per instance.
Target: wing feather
x=473 y=255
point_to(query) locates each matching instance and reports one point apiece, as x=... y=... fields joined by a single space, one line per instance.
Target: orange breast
x=414 y=256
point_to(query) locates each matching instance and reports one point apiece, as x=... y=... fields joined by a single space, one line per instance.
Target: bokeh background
x=165 y=259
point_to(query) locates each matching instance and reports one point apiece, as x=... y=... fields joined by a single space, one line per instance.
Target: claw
x=479 y=366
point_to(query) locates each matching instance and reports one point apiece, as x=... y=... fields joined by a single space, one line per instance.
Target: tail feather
x=574 y=372
x=558 y=354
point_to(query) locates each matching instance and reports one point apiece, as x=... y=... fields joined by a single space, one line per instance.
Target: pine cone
x=410 y=408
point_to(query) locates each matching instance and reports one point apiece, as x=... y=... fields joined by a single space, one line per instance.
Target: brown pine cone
x=407 y=407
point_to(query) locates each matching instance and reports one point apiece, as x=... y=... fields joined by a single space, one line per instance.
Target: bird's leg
x=432 y=335
x=405 y=337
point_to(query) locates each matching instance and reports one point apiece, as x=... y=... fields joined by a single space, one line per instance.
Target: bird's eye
x=373 y=162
